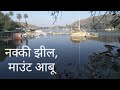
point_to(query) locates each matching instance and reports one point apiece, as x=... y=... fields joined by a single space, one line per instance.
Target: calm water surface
x=81 y=58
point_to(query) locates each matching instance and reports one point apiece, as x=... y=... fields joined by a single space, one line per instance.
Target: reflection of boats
x=77 y=39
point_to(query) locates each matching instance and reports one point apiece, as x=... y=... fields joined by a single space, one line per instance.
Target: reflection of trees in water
x=3 y=46
x=2 y=56
x=108 y=38
x=13 y=44
x=71 y=71
x=102 y=38
x=104 y=64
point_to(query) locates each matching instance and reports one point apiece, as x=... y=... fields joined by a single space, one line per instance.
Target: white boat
x=24 y=35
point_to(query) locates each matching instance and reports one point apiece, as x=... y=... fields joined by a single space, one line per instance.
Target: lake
x=84 y=58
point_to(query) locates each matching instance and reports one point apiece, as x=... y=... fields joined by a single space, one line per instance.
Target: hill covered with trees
x=98 y=22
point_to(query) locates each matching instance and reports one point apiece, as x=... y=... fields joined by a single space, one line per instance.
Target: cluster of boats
x=82 y=36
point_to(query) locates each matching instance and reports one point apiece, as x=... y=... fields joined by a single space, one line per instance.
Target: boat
x=83 y=33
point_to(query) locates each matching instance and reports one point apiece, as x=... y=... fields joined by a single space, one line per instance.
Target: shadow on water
x=72 y=70
x=101 y=65
x=105 y=64
x=12 y=44
x=107 y=38
x=5 y=45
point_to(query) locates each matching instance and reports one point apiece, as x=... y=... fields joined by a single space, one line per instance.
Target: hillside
x=100 y=22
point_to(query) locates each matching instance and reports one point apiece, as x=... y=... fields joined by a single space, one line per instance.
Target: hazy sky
x=44 y=18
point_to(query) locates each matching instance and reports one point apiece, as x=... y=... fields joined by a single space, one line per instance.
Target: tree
x=55 y=14
x=25 y=16
x=9 y=24
x=114 y=21
x=11 y=14
x=19 y=16
x=1 y=20
x=6 y=23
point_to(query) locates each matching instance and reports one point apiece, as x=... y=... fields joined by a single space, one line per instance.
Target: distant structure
x=30 y=27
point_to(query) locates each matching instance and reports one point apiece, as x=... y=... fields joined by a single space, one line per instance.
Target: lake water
x=81 y=58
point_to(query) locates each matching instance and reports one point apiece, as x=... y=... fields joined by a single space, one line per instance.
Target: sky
x=44 y=18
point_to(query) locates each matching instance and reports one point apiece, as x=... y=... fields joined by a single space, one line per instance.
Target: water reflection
x=12 y=44
x=71 y=71
x=101 y=64
x=3 y=46
x=17 y=42
x=104 y=65
x=77 y=39
x=107 y=38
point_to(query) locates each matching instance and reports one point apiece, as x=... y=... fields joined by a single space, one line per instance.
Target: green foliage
x=19 y=16
x=10 y=13
x=25 y=16
x=99 y=22
x=6 y=23
x=1 y=20
x=105 y=64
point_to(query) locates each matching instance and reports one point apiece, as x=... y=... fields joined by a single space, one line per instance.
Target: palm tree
x=11 y=14
x=19 y=16
x=25 y=16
